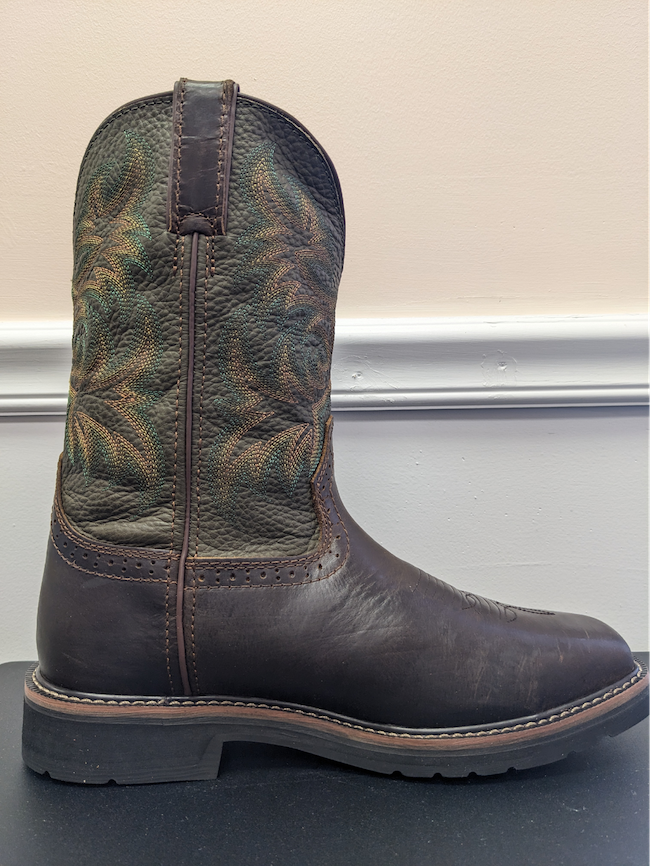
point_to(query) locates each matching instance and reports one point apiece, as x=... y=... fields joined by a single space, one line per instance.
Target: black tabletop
x=277 y=807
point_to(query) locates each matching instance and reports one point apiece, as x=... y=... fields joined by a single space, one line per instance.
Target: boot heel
x=94 y=752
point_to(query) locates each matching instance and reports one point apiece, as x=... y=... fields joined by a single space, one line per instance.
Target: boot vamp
x=384 y=642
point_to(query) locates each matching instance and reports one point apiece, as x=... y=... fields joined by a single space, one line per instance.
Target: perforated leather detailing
x=332 y=553
x=117 y=563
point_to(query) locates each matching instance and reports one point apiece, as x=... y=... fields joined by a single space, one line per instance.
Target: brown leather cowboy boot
x=203 y=581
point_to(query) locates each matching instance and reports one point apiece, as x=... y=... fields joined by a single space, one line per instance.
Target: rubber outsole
x=94 y=739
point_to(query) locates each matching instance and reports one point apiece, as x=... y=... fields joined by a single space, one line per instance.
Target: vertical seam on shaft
x=187 y=460
x=175 y=270
x=208 y=254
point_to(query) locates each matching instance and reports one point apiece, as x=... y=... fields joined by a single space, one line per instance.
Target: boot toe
x=584 y=656
x=517 y=663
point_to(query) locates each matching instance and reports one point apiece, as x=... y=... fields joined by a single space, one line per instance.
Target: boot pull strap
x=203 y=126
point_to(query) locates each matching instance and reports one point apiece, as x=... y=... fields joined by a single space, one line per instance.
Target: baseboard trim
x=389 y=364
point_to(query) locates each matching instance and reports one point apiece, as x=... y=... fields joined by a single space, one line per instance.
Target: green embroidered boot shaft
x=260 y=299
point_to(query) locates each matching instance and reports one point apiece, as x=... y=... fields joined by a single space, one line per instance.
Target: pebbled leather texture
x=128 y=341
x=264 y=329
x=264 y=334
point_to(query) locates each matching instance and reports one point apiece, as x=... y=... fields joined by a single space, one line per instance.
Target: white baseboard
x=444 y=363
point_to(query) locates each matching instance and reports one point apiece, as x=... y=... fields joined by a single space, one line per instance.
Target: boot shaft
x=208 y=243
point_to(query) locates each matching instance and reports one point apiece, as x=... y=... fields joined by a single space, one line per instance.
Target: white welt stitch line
x=469 y=734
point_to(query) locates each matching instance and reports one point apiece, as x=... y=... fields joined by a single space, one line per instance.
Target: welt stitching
x=555 y=717
x=179 y=133
x=103 y=574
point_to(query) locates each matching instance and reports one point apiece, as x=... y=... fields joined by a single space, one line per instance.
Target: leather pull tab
x=203 y=128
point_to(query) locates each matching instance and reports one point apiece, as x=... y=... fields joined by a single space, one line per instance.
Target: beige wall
x=492 y=153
